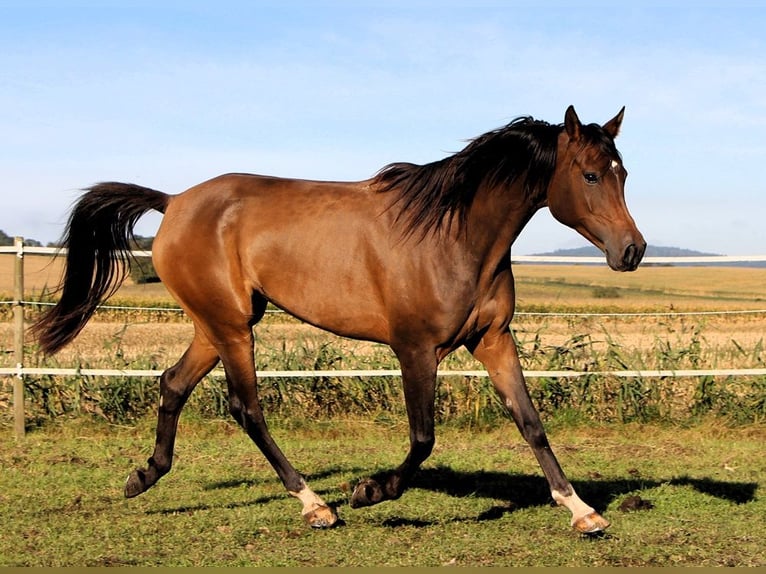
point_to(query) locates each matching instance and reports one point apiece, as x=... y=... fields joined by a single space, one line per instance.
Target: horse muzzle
x=627 y=258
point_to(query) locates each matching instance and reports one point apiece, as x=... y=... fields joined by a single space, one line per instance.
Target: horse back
x=319 y=250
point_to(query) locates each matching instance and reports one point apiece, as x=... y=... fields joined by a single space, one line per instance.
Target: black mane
x=433 y=193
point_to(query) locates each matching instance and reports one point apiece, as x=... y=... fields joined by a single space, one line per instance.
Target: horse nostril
x=632 y=256
x=629 y=256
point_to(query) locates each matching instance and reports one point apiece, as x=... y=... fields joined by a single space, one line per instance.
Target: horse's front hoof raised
x=136 y=484
x=592 y=523
x=322 y=517
x=366 y=493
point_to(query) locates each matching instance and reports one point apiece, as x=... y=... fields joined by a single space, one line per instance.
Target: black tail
x=98 y=241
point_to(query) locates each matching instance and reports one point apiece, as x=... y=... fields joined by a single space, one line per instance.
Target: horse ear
x=612 y=127
x=572 y=124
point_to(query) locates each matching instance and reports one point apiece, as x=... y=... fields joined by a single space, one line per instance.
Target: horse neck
x=496 y=219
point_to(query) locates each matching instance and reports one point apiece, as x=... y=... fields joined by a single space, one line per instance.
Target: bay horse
x=416 y=257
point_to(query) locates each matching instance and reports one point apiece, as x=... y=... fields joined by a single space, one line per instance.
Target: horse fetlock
x=142 y=479
x=367 y=493
x=374 y=490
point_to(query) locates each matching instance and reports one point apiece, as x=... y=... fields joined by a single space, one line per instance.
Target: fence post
x=18 y=331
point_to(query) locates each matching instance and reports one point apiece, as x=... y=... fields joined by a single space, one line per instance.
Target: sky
x=167 y=94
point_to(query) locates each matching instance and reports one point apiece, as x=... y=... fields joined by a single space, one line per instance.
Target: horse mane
x=434 y=193
x=441 y=191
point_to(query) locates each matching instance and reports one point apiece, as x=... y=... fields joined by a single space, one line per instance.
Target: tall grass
x=459 y=400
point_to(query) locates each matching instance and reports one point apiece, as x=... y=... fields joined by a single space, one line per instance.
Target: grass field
x=548 y=286
x=480 y=499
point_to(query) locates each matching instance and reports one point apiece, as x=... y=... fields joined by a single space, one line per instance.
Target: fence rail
x=656 y=260
x=19 y=372
x=296 y=374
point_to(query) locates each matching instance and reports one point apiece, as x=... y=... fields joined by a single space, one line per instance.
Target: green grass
x=480 y=499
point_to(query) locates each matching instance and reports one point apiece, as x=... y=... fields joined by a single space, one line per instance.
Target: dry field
x=546 y=294
x=561 y=286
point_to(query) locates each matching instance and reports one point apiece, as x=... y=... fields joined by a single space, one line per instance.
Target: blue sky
x=168 y=94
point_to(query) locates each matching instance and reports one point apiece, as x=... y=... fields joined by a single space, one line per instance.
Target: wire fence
x=19 y=251
x=20 y=371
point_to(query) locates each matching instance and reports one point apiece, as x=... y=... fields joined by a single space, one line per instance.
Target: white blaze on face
x=615 y=165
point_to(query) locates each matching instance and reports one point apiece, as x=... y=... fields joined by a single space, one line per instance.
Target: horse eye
x=590 y=177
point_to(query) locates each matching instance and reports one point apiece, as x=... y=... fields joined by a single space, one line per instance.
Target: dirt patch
x=634 y=503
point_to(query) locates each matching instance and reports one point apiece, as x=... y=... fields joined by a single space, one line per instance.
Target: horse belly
x=331 y=294
x=325 y=270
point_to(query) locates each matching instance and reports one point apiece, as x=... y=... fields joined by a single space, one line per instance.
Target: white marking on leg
x=575 y=505
x=311 y=501
x=315 y=512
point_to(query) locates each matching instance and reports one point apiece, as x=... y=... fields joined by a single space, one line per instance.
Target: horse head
x=587 y=191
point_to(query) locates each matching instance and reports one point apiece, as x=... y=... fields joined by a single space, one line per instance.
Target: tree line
x=142 y=272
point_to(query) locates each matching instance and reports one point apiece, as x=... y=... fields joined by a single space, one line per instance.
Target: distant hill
x=651 y=251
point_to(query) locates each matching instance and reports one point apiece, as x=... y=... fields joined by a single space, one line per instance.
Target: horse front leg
x=497 y=351
x=419 y=380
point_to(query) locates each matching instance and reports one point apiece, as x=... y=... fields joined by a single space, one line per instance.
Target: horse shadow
x=527 y=490
x=511 y=491
x=330 y=472
x=254 y=482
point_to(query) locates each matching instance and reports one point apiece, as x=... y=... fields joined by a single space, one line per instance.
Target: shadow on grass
x=519 y=490
x=192 y=508
x=525 y=490
x=251 y=482
x=254 y=483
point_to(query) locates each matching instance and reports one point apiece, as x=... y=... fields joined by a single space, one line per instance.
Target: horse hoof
x=322 y=517
x=592 y=523
x=136 y=484
x=366 y=493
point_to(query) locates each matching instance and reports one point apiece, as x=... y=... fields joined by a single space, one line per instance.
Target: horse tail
x=98 y=239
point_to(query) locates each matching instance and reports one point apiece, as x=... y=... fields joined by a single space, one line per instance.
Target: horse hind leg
x=238 y=360
x=176 y=384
